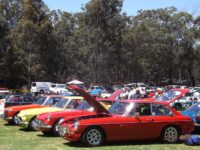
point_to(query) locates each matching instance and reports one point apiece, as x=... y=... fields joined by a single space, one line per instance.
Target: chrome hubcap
x=171 y=134
x=94 y=137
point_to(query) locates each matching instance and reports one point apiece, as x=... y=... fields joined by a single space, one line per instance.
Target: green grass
x=11 y=138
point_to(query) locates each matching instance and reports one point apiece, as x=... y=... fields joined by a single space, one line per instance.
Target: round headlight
x=76 y=125
x=48 y=118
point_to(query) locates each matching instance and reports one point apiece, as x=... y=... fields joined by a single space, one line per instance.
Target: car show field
x=12 y=138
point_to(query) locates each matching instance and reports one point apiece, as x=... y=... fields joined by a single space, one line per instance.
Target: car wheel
x=14 y=119
x=93 y=136
x=170 y=134
x=31 y=124
x=55 y=128
x=41 y=91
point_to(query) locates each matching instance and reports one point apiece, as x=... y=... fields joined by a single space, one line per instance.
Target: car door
x=138 y=124
x=161 y=116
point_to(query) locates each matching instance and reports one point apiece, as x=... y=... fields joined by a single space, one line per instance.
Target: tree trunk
x=191 y=75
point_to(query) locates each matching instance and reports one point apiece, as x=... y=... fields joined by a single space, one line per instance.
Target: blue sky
x=129 y=6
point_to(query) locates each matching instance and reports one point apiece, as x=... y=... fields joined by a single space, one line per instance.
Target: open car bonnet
x=172 y=95
x=91 y=100
x=115 y=94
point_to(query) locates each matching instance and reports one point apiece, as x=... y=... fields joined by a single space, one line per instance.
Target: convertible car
x=10 y=113
x=48 y=122
x=26 y=118
x=126 y=120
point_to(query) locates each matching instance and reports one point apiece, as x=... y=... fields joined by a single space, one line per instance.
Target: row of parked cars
x=96 y=120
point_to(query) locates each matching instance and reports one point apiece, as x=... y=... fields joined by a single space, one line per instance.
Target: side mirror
x=171 y=114
x=137 y=114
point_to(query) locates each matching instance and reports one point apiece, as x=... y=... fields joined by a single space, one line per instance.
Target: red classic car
x=126 y=120
x=48 y=122
x=10 y=113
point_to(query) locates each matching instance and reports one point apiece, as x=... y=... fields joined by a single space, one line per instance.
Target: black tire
x=93 y=136
x=55 y=129
x=14 y=121
x=41 y=91
x=170 y=134
x=30 y=126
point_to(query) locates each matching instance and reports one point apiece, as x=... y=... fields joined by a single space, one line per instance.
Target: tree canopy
x=100 y=44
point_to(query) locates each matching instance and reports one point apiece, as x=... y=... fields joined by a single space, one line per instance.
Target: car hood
x=21 y=107
x=115 y=94
x=190 y=114
x=36 y=111
x=61 y=114
x=91 y=100
x=182 y=93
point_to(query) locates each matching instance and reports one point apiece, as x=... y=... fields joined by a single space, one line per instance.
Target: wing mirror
x=171 y=114
x=137 y=114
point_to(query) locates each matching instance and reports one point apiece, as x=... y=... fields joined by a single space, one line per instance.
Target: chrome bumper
x=62 y=130
x=37 y=124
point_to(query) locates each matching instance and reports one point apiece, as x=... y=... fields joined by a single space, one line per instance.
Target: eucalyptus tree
x=30 y=40
x=10 y=11
x=103 y=24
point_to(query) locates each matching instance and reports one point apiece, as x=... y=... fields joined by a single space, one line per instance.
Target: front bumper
x=39 y=125
x=72 y=137
x=67 y=134
x=6 y=116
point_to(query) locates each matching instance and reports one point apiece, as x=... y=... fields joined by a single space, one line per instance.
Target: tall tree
x=10 y=11
x=103 y=23
x=30 y=38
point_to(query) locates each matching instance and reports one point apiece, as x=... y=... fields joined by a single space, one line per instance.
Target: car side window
x=73 y=103
x=160 y=110
x=143 y=109
x=28 y=99
x=50 y=101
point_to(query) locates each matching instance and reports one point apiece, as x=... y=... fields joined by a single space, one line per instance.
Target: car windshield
x=62 y=86
x=194 y=108
x=167 y=96
x=41 y=100
x=61 y=103
x=120 y=108
x=83 y=106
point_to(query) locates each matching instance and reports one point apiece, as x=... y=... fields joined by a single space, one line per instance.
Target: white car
x=58 y=88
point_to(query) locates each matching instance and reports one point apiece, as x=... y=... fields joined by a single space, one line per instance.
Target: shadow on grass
x=27 y=130
x=48 y=135
x=121 y=143
x=9 y=124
